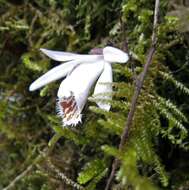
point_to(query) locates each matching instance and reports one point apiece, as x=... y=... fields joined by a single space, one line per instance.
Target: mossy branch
x=37 y=160
x=63 y=177
x=24 y=173
x=19 y=177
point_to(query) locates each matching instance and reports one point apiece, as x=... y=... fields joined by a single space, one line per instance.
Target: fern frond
x=177 y=84
x=112 y=126
x=145 y=151
x=71 y=134
x=129 y=163
x=125 y=71
x=92 y=184
x=172 y=119
x=110 y=150
x=119 y=104
x=176 y=132
x=91 y=170
x=107 y=114
x=160 y=170
x=169 y=105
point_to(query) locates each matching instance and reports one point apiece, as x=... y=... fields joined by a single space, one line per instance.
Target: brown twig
x=139 y=85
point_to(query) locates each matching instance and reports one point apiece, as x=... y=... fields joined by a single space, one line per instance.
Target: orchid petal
x=62 y=70
x=112 y=54
x=59 y=55
x=103 y=91
x=53 y=74
x=74 y=90
x=67 y=56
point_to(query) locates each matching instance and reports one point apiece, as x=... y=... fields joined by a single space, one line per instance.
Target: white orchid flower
x=81 y=72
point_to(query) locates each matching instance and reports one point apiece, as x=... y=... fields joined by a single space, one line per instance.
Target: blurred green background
x=42 y=155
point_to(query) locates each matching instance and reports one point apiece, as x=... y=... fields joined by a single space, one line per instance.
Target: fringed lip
x=68 y=110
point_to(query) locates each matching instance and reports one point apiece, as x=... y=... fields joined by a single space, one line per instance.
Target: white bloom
x=81 y=71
